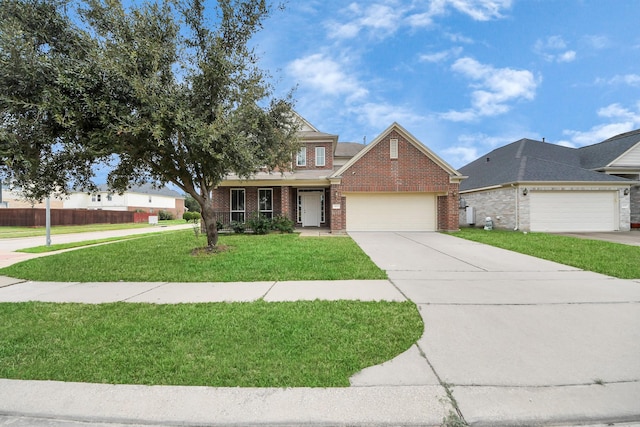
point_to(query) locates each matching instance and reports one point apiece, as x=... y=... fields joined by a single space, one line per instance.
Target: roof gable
x=607 y=153
x=631 y=158
x=410 y=138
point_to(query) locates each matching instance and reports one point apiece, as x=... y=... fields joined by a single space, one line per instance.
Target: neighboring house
x=393 y=183
x=14 y=199
x=536 y=186
x=143 y=198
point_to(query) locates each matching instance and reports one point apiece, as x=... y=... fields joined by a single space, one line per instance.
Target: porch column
x=285 y=202
x=337 y=207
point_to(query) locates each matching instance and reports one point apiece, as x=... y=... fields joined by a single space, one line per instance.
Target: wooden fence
x=37 y=217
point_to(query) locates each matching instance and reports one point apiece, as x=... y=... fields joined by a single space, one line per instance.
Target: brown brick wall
x=412 y=171
x=311 y=156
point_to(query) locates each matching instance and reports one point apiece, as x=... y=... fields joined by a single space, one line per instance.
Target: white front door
x=311 y=206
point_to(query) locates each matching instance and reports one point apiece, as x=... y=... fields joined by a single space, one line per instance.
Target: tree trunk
x=210 y=226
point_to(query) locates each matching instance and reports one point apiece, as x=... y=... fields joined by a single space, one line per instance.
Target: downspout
x=517 y=208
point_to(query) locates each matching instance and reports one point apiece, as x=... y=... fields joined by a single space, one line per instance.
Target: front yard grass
x=612 y=259
x=166 y=257
x=259 y=344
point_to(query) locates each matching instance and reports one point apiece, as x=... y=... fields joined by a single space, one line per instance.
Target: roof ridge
x=621 y=135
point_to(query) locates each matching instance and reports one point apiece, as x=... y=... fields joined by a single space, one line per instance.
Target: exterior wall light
x=525 y=192
x=626 y=191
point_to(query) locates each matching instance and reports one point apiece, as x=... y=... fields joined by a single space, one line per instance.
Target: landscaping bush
x=165 y=215
x=259 y=223
x=282 y=224
x=238 y=227
x=191 y=216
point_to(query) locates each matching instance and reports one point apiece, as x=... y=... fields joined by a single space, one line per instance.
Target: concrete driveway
x=519 y=340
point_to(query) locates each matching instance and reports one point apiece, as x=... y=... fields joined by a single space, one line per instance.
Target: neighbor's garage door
x=573 y=211
x=391 y=212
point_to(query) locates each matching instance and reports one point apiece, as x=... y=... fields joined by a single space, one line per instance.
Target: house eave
x=617 y=184
x=321 y=182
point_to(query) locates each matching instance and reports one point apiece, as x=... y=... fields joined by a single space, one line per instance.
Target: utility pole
x=48 y=220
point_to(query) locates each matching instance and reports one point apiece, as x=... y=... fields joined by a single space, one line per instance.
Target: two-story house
x=393 y=183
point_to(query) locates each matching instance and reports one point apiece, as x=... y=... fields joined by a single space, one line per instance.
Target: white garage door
x=574 y=211
x=391 y=212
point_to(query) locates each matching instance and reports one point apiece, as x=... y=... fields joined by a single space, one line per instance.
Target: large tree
x=163 y=90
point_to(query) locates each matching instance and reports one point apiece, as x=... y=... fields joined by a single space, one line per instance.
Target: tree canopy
x=164 y=90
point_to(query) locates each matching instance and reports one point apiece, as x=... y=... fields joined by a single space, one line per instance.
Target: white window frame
x=320 y=154
x=301 y=157
x=393 y=148
x=244 y=204
x=267 y=212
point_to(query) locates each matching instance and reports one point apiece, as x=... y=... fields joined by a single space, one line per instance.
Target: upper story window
x=301 y=158
x=320 y=156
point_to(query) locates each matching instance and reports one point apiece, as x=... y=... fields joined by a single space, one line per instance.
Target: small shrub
x=282 y=224
x=219 y=225
x=191 y=216
x=165 y=215
x=238 y=227
x=259 y=223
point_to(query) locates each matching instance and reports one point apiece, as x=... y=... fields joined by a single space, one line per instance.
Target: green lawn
x=17 y=232
x=62 y=246
x=167 y=257
x=612 y=259
x=259 y=344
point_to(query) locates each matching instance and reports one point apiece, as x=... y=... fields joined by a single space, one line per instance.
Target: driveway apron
x=519 y=340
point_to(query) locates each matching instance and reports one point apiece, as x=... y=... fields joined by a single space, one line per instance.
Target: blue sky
x=463 y=76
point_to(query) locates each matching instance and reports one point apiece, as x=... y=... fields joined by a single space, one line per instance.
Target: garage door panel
x=559 y=211
x=391 y=212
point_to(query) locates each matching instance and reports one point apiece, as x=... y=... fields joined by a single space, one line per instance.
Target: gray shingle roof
x=527 y=160
x=348 y=149
x=602 y=154
x=148 y=189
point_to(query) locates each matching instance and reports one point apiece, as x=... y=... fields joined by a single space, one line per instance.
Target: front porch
x=305 y=206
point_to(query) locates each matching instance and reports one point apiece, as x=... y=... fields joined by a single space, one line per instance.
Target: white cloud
x=441 y=56
x=380 y=18
x=377 y=114
x=459 y=38
x=494 y=89
x=461 y=155
x=554 y=49
x=568 y=56
x=597 y=42
x=326 y=76
x=627 y=79
x=480 y=10
x=621 y=120
x=384 y=17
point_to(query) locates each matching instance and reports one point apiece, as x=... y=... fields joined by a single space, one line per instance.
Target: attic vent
x=393 y=148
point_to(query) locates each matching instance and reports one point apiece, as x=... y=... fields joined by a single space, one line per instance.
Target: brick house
x=393 y=183
x=537 y=186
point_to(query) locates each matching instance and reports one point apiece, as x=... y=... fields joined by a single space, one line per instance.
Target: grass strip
x=167 y=257
x=259 y=344
x=63 y=246
x=612 y=259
